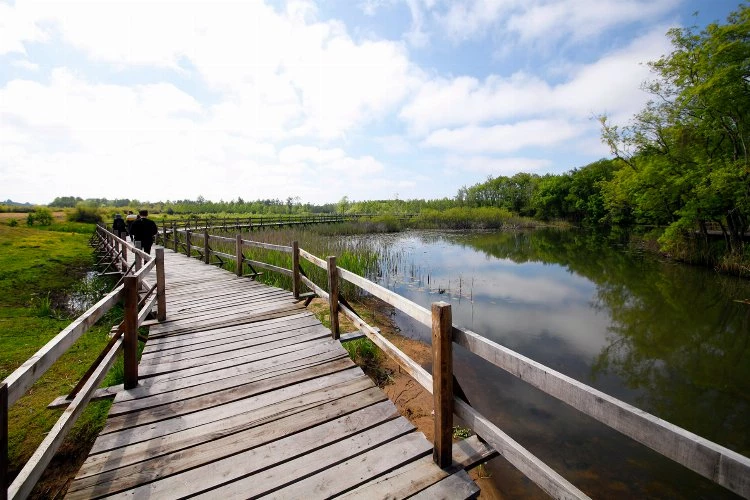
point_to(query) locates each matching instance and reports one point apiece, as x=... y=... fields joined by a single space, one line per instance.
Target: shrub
x=12 y=222
x=85 y=213
x=43 y=216
x=30 y=219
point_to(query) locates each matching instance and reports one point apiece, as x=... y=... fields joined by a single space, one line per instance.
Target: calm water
x=668 y=338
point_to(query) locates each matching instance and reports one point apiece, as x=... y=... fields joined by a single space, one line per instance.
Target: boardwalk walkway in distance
x=244 y=394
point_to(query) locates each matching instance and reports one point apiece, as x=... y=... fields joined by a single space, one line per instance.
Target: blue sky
x=369 y=99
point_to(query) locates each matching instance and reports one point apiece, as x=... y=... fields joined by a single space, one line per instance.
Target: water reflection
x=669 y=338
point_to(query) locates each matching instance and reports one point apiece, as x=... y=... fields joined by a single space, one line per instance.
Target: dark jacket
x=118 y=226
x=144 y=230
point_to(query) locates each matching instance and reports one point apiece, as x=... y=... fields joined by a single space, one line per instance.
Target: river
x=668 y=338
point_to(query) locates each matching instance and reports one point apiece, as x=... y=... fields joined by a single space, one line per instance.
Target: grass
x=38 y=267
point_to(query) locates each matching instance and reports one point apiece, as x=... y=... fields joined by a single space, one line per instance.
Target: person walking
x=129 y=220
x=144 y=230
x=118 y=227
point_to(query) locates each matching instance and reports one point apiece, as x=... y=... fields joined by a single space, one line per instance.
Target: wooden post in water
x=206 y=249
x=295 y=269
x=442 y=382
x=240 y=256
x=4 y=480
x=161 y=288
x=174 y=237
x=188 y=243
x=130 y=341
x=333 y=295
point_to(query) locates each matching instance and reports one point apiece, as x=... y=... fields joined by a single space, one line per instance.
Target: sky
x=369 y=99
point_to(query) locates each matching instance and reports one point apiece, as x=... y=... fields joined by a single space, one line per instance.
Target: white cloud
x=497 y=166
x=535 y=21
x=24 y=64
x=609 y=85
x=504 y=138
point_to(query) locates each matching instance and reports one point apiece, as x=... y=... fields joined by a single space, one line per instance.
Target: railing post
x=188 y=243
x=240 y=256
x=295 y=269
x=164 y=234
x=138 y=258
x=206 y=249
x=4 y=480
x=161 y=288
x=442 y=382
x=130 y=342
x=333 y=295
x=174 y=237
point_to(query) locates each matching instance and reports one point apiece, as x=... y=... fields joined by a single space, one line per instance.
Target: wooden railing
x=113 y=252
x=259 y=221
x=719 y=464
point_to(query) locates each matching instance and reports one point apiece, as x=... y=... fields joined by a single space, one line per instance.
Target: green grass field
x=38 y=268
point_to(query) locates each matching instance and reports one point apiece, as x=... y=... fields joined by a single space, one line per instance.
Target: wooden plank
x=209 y=362
x=402 y=482
x=470 y=452
x=358 y=469
x=251 y=356
x=130 y=335
x=99 y=394
x=227 y=345
x=720 y=464
x=159 y=465
x=160 y=410
x=442 y=383
x=406 y=306
x=209 y=416
x=32 y=471
x=287 y=472
x=161 y=292
x=267 y=246
x=315 y=288
x=29 y=372
x=312 y=258
x=158 y=395
x=530 y=466
x=455 y=486
x=348 y=337
x=263 y=265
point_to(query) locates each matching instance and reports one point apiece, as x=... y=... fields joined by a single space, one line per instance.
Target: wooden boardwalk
x=243 y=394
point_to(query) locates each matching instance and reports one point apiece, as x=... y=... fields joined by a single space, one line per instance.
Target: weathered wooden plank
x=182 y=407
x=420 y=474
x=161 y=465
x=301 y=319
x=270 y=267
x=408 y=307
x=455 y=486
x=305 y=463
x=208 y=362
x=99 y=394
x=720 y=464
x=312 y=258
x=251 y=356
x=267 y=246
x=208 y=416
x=228 y=345
x=29 y=372
x=164 y=394
x=358 y=469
